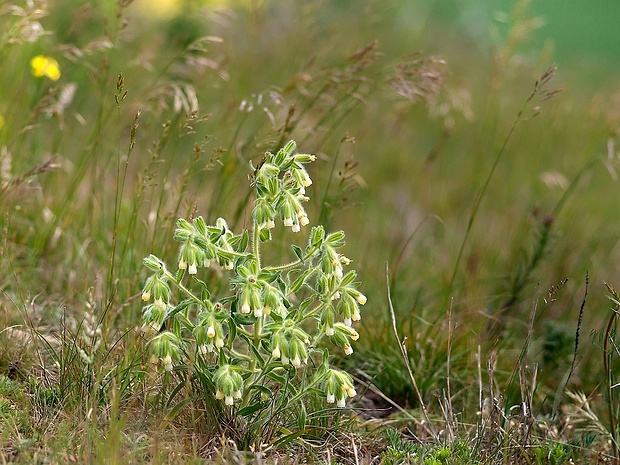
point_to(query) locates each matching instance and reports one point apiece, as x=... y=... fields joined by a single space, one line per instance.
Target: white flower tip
x=237 y=394
x=296 y=362
x=288 y=222
x=356 y=316
x=211 y=332
x=182 y=264
x=355 y=335
x=206 y=263
x=229 y=400
x=258 y=312
x=348 y=322
x=338 y=272
x=304 y=220
x=193 y=269
x=331 y=398
x=361 y=299
x=348 y=350
x=229 y=265
x=219 y=342
x=284 y=360
x=159 y=304
x=296 y=228
x=219 y=395
x=351 y=392
x=146 y=296
x=276 y=352
x=245 y=308
x=329 y=331
x=153 y=327
x=342 y=402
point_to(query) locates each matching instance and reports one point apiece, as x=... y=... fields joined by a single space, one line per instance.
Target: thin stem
x=607 y=355
x=258 y=326
x=474 y=213
x=405 y=356
x=178 y=284
x=291 y=265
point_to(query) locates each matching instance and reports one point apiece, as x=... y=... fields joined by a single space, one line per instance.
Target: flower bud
x=167 y=362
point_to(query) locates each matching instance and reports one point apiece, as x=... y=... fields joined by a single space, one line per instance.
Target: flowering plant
x=273 y=319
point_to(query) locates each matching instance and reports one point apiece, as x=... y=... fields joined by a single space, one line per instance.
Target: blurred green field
x=477 y=195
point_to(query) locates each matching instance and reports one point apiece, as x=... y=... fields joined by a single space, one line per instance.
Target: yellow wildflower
x=45 y=66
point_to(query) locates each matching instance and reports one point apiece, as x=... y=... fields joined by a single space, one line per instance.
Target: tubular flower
x=42 y=65
x=209 y=332
x=228 y=384
x=338 y=386
x=166 y=346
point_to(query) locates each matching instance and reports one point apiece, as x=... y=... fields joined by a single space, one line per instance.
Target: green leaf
x=301 y=419
x=205 y=294
x=300 y=280
x=257 y=355
x=180 y=307
x=298 y=252
x=250 y=409
x=245 y=240
x=276 y=377
x=290 y=437
x=174 y=412
x=306 y=304
x=232 y=329
x=174 y=392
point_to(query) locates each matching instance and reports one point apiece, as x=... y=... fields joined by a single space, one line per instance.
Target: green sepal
x=200 y=225
x=335 y=239
x=264 y=235
x=348 y=278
